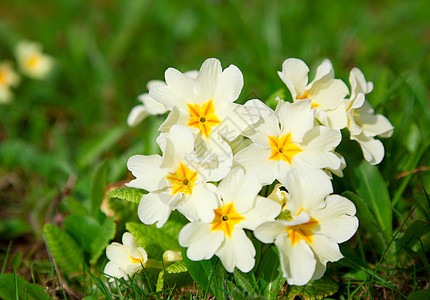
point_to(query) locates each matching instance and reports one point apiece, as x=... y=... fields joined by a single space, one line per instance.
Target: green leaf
x=126 y=193
x=420 y=295
x=413 y=234
x=246 y=282
x=317 y=289
x=100 y=242
x=63 y=248
x=88 y=233
x=156 y=240
x=12 y=228
x=175 y=268
x=373 y=190
x=97 y=190
x=269 y=273
x=76 y=207
x=25 y=290
x=367 y=221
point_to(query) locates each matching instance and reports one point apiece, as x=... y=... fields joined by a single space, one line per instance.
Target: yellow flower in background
x=8 y=78
x=31 y=61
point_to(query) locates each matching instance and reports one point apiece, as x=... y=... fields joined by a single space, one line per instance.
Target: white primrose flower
x=32 y=61
x=309 y=229
x=150 y=106
x=177 y=180
x=205 y=103
x=125 y=259
x=285 y=140
x=239 y=208
x=326 y=93
x=8 y=78
x=363 y=124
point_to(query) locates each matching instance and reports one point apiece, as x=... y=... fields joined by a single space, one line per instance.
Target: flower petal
x=112 y=270
x=230 y=84
x=267 y=125
x=236 y=119
x=149 y=175
x=373 y=150
x=206 y=82
x=295 y=75
x=297 y=118
x=152 y=208
x=268 y=232
x=202 y=242
x=237 y=251
x=324 y=250
x=264 y=210
x=137 y=114
x=200 y=205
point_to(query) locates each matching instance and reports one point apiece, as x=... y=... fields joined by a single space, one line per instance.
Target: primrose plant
x=243 y=175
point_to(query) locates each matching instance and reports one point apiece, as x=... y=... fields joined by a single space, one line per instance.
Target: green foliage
x=12 y=228
x=126 y=193
x=156 y=240
x=317 y=289
x=175 y=268
x=63 y=249
x=269 y=273
x=372 y=187
x=97 y=191
x=14 y=287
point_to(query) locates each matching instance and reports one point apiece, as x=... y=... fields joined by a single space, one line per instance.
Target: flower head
x=286 y=139
x=308 y=230
x=125 y=259
x=8 y=78
x=326 y=93
x=363 y=123
x=239 y=208
x=32 y=61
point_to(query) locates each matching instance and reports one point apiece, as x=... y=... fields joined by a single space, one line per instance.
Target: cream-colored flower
x=8 y=78
x=125 y=259
x=363 y=123
x=32 y=61
x=286 y=139
x=307 y=232
x=239 y=208
x=326 y=93
x=171 y=256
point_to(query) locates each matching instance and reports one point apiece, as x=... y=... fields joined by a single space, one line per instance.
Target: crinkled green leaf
x=156 y=240
x=100 y=242
x=124 y=210
x=269 y=273
x=246 y=282
x=317 y=289
x=63 y=248
x=201 y=271
x=367 y=221
x=126 y=193
x=413 y=234
x=175 y=268
x=372 y=188
x=25 y=290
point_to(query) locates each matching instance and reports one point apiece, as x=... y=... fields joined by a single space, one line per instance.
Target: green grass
x=57 y=132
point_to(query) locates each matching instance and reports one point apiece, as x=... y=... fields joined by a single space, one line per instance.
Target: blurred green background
x=56 y=132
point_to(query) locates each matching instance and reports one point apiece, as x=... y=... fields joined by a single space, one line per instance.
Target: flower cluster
x=31 y=62
x=217 y=155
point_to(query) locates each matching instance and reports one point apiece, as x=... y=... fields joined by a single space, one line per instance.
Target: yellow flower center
x=302 y=231
x=307 y=96
x=33 y=60
x=3 y=78
x=203 y=117
x=283 y=148
x=225 y=219
x=136 y=260
x=182 y=180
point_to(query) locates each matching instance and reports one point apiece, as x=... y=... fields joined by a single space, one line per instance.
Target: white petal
x=297 y=262
x=324 y=72
x=128 y=240
x=237 y=251
x=375 y=125
x=152 y=209
x=152 y=106
x=179 y=144
x=236 y=118
x=302 y=218
x=240 y=189
x=255 y=160
x=321 y=138
x=312 y=159
x=137 y=114
x=373 y=150
x=206 y=82
x=297 y=118
x=315 y=187
x=324 y=251
x=268 y=124
x=230 y=84
x=264 y=210
x=149 y=175
x=179 y=83
x=336 y=219
x=175 y=116
x=268 y=232
x=202 y=242
x=113 y=270
x=200 y=205
x=337 y=118
x=167 y=97
x=329 y=94
x=118 y=253
x=295 y=75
